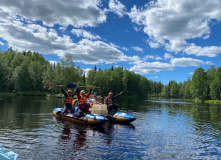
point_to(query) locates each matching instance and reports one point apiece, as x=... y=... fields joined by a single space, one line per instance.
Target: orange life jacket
x=109 y=100
x=83 y=102
x=69 y=100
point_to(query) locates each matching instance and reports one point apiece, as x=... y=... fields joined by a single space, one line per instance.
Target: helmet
x=95 y=93
x=69 y=91
x=110 y=93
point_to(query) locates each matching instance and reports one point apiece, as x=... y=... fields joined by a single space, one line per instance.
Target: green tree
x=165 y=92
x=21 y=77
x=173 y=89
x=187 y=93
x=199 y=84
x=90 y=77
x=215 y=87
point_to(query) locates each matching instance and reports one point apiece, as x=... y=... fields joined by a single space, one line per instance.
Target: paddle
x=74 y=86
x=53 y=85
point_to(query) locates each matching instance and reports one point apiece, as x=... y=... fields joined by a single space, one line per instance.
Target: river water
x=163 y=130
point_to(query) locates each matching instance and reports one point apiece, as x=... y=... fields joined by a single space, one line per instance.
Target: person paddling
x=68 y=100
x=83 y=102
x=108 y=102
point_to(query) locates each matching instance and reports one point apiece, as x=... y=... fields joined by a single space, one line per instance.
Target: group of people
x=83 y=105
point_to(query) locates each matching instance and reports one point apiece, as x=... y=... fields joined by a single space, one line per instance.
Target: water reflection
x=66 y=131
x=162 y=130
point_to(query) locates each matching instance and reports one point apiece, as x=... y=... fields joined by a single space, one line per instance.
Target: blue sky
x=162 y=39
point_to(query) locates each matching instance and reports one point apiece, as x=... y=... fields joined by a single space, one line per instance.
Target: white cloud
x=1 y=43
x=53 y=62
x=191 y=73
x=154 y=44
x=74 y=12
x=211 y=51
x=148 y=57
x=37 y=38
x=86 y=71
x=186 y=62
x=137 y=28
x=151 y=57
x=158 y=58
x=137 y=49
x=168 y=56
x=154 y=77
x=172 y=22
x=117 y=7
x=135 y=60
x=33 y=37
x=153 y=67
x=209 y=63
x=125 y=49
x=85 y=34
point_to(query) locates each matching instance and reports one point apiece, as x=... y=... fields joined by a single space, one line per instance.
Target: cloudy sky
x=162 y=39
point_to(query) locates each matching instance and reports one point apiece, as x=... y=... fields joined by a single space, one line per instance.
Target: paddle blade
x=71 y=85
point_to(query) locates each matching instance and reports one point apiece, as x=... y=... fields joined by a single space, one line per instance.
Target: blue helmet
x=95 y=93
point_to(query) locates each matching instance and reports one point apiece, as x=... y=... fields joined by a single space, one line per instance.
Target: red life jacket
x=69 y=100
x=109 y=100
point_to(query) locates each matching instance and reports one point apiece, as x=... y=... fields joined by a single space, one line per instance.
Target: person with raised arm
x=112 y=109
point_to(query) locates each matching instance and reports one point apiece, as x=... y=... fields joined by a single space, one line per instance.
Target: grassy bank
x=30 y=93
x=7 y=94
x=194 y=100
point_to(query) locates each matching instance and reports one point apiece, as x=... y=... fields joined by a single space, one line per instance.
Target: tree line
x=28 y=71
x=204 y=85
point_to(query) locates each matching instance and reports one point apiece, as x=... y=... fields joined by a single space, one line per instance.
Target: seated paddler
x=83 y=102
x=94 y=96
x=112 y=109
x=68 y=101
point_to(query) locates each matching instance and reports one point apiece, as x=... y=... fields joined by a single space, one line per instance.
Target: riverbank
x=193 y=100
x=29 y=93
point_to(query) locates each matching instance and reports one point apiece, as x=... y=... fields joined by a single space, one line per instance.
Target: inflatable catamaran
x=99 y=114
x=86 y=119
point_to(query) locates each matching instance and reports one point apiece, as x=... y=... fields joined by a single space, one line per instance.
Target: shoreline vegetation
x=60 y=95
x=25 y=73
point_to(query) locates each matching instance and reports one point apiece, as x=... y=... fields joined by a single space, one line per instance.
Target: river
x=162 y=130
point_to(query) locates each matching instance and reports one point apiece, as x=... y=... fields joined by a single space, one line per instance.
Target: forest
x=29 y=71
x=204 y=85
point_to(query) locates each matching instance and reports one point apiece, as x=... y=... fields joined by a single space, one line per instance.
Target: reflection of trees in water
x=25 y=112
x=203 y=118
x=78 y=135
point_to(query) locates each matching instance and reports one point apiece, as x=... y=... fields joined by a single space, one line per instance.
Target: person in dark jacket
x=112 y=109
x=68 y=101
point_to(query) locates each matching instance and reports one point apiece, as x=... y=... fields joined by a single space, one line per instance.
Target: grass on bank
x=27 y=93
x=192 y=100
x=60 y=95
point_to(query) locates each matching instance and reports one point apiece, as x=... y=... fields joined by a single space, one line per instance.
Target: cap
x=82 y=91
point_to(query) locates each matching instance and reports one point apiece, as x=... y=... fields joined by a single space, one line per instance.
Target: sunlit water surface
x=163 y=129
